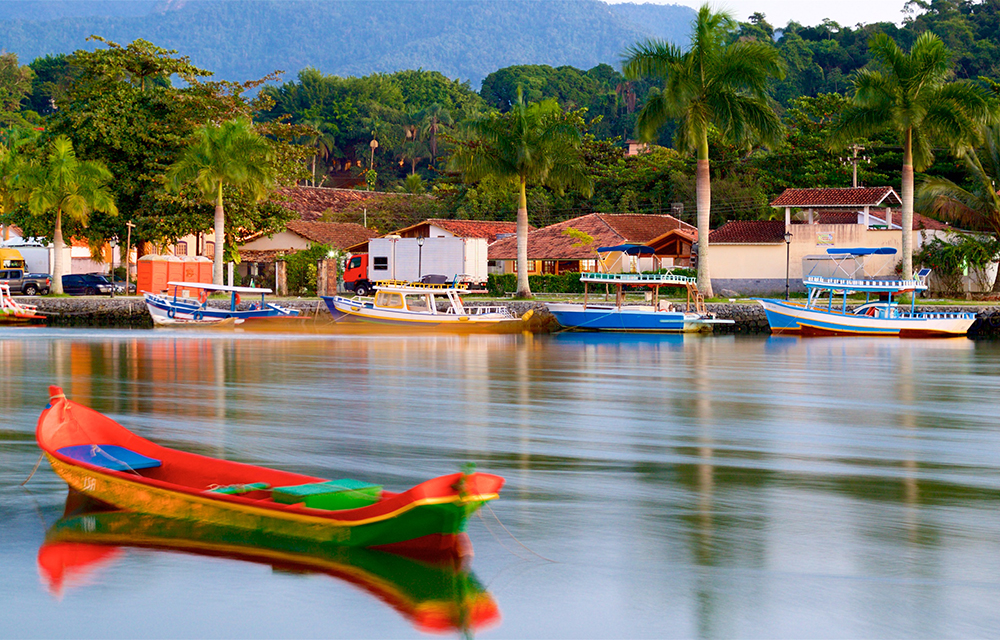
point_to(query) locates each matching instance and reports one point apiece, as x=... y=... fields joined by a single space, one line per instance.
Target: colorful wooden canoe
x=435 y=597
x=103 y=460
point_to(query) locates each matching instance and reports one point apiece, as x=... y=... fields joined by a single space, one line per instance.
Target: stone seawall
x=749 y=318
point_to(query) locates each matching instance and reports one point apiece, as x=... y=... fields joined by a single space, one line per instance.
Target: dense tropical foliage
x=136 y=108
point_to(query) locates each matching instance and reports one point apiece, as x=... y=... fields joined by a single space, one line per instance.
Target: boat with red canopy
x=100 y=458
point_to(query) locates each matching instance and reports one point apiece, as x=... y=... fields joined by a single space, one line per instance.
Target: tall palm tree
x=712 y=84
x=66 y=185
x=910 y=93
x=233 y=154
x=977 y=207
x=532 y=143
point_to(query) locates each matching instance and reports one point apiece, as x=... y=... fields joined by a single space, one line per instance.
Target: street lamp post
x=113 y=242
x=420 y=258
x=788 y=247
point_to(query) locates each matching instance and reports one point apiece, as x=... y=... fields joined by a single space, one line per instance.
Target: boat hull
x=642 y=319
x=785 y=317
x=166 y=312
x=432 y=514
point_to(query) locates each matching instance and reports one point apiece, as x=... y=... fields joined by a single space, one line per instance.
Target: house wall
x=282 y=240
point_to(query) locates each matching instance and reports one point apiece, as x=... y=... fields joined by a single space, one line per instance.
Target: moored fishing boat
x=13 y=312
x=426 y=306
x=98 y=457
x=827 y=310
x=184 y=307
x=434 y=596
x=657 y=317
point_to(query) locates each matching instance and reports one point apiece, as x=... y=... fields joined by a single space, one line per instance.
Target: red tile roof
x=607 y=229
x=339 y=235
x=749 y=232
x=772 y=231
x=488 y=229
x=854 y=197
x=312 y=202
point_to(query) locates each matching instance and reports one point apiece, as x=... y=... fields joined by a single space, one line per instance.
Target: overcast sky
x=779 y=12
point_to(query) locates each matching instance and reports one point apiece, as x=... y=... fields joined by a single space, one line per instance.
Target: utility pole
x=853 y=160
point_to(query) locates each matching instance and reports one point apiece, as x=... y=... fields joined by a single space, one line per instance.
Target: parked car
x=86 y=284
x=30 y=284
x=120 y=287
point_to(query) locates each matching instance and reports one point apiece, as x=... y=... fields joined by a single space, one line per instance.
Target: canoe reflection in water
x=436 y=595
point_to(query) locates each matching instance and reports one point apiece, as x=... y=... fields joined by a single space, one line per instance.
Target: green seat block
x=333 y=495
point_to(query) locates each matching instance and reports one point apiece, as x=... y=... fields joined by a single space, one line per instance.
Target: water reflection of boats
x=424 y=306
x=95 y=455
x=435 y=597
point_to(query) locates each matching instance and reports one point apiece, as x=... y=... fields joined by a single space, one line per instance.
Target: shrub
x=302 y=269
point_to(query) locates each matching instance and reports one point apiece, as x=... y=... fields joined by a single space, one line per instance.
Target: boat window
x=389 y=300
x=380 y=263
x=418 y=302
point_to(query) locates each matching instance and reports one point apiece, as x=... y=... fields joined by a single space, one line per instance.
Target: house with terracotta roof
x=571 y=245
x=753 y=256
x=490 y=230
x=258 y=255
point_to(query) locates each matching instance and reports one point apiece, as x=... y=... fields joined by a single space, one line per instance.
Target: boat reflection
x=436 y=596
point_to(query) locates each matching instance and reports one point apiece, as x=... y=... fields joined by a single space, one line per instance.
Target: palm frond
x=650 y=59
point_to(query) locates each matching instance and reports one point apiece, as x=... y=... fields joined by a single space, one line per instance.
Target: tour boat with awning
x=657 y=316
x=828 y=310
x=189 y=304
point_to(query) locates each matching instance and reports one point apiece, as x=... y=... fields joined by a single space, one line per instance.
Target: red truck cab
x=356 y=274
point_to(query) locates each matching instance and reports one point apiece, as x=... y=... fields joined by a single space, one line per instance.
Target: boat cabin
x=418 y=298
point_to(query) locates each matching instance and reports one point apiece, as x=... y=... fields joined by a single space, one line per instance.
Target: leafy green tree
x=910 y=94
x=228 y=154
x=710 y=84
x=15 y=85
x=532 y=143
x=976 y=207
x=64 y=184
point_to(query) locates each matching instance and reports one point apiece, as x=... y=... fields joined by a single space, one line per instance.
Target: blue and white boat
x=659 y=316
x=828 y=311
x=189 y=305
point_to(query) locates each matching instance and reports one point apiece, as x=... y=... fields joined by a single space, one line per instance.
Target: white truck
x=416 y=259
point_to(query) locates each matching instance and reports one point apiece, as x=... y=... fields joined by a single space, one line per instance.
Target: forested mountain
x=244 y=39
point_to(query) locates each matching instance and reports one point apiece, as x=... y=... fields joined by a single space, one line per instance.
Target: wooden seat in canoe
x=109 y=456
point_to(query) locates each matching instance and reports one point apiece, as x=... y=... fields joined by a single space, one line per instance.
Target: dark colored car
x=86 y=284
x=120 y=287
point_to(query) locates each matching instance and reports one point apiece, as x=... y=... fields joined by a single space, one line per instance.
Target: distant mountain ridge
x=246 y=39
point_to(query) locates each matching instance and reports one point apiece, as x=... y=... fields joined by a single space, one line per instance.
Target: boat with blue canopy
x=189 y=304
x=659 y=316
x=830 y=310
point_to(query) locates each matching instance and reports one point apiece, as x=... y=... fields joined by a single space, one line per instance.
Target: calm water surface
x=656 y=486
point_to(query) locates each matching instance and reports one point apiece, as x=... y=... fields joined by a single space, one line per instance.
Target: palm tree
x=233 y=154
x=712 y=84
x=435 y=117
x=322 y=136
x=910 y=94
x=66 y=185
x=977 y=207
x=532 y=143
